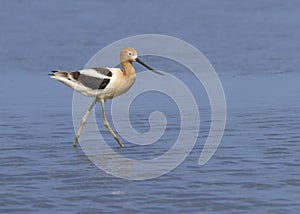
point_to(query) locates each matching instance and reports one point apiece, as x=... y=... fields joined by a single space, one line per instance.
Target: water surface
x=255 y=49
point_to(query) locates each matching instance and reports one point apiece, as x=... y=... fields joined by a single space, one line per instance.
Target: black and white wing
x=87 y=81
x=93 y=78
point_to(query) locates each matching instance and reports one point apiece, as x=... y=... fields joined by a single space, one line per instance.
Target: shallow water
x=254 y=48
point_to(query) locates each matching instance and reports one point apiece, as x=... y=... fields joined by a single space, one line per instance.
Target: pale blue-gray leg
x=83 y=120
x=108 y=126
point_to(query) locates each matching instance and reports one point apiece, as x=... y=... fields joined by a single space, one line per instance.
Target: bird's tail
x=57 y=73
x=64 y=77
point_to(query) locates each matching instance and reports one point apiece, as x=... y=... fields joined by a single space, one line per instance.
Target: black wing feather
x=90 y=82
x=103 y=71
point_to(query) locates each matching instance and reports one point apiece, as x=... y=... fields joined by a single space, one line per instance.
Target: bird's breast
x=124 y=84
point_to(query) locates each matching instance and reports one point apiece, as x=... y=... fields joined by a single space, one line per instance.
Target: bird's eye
x=130 y=53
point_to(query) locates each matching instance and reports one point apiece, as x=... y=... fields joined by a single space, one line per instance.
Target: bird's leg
x=83 y=120
x=108 y=126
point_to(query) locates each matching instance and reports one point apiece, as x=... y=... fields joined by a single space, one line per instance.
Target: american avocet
x=103 y=84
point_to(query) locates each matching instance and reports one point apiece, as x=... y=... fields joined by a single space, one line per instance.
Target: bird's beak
x=151 y=69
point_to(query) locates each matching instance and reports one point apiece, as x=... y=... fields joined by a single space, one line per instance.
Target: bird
x=102 y=83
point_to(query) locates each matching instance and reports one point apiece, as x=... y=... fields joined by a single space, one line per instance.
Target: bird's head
x=130 y=55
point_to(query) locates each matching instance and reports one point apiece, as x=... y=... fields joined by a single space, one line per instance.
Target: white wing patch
x=96 y=74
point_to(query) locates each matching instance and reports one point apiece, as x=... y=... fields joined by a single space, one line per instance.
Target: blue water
x=254 y=47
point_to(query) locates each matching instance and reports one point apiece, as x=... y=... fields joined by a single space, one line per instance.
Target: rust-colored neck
x=128 y=69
